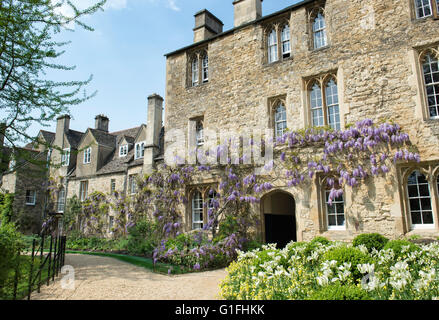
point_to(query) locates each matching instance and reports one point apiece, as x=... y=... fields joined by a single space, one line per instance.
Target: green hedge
x=371 y=241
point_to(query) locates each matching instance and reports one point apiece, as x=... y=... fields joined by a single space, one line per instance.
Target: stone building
x=318 y=63
x=81 y=163
x=314 y=63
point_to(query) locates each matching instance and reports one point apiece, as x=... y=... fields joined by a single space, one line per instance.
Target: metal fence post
x=54 y=259
x=41 y=262
x=17 y=270
x=50 y=260
x=31 y=270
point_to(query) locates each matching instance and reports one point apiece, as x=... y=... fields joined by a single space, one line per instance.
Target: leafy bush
x=6 y=203
x=315 y=243
x=354 y=256
x=10 y=244
x=142 y=238
x=328 y=272
x=370 y=241
x=340 y=292
x=400 y=247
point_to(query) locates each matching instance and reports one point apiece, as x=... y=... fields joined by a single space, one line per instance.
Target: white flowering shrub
x=304 y=271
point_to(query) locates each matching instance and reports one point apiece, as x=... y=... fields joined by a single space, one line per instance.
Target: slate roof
x=48 y=136
x=74 y=137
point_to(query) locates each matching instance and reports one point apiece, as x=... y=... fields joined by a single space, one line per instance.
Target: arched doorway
x=279 y=216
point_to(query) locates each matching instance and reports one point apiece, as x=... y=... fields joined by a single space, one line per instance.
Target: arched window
x=272 y=46
x=419 y=196
x=316 y=106
x=423 y=8
x=285 y=40
x=197 y=210
x=332 y=105
x=194 y=68
x=430 y=66
x=140 y=150
x=205 y=68
x=319 y=31
x=335 y=212
x=61 y=200
x=280 y=120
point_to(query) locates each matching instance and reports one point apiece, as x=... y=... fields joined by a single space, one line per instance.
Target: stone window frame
x=65 y=157
x=31 y=197
x=322 y=187
x=112 y=186
x=132 y=184
x=322 y=80
x=123 y=150
x=278 y=26
x=139 y=151
x=431 y=172
x=61 y=200
x=273 y=104
x=421 y=53
x=312 y=13
x=198 y=55
x=83 y=190
x=87 y=156
x=434 y=7
x=204 y=190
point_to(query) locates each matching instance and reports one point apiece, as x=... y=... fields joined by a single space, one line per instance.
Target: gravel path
x=103 y=278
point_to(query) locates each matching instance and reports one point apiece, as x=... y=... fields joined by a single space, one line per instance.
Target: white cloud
x=172 y=5
x=116 y=4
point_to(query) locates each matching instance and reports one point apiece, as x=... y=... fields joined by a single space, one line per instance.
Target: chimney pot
x=246 y=11
x=102 y=123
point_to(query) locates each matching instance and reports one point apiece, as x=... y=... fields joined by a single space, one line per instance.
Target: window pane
x=423 y=8
x=280 y=120
x=286 y=46
x=431 y=80
x=272 y=47
x=332 y=105
x=316 y=106
x=197 y=211
x=195 y=72
x=419 y=199
x=205 y=68
x=319 y=31
x=427 y=217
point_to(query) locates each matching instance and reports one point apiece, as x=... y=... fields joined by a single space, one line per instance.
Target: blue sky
x=125 y=54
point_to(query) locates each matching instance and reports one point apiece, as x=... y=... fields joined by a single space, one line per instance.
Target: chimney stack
x=153 y=128
x=206 y=25
x=247 y=11
x=62 y=124
x=102 y=123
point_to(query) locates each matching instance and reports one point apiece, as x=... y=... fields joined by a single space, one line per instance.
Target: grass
x=7 y=293
x=146 y=263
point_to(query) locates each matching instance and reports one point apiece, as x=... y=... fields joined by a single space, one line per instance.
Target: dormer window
x=65 y=157
x=140 y=150
x=87 y=155
x=123 y=150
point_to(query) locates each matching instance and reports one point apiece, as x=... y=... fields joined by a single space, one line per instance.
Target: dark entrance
x=280 y=218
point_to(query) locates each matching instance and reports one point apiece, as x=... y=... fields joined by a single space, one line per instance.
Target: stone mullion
x=435 y=9
x=200 y=68
x=435 y=198
x=325 y=108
